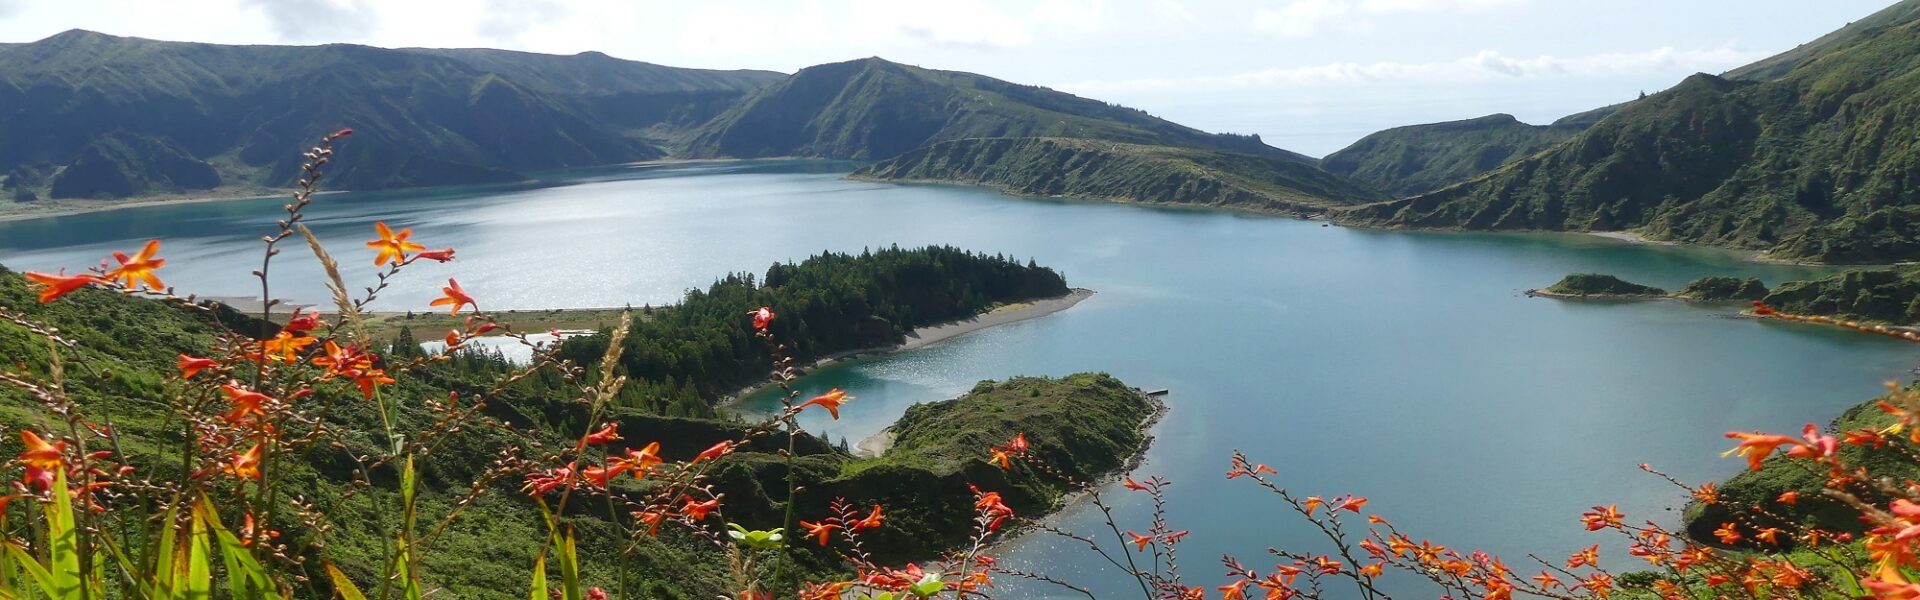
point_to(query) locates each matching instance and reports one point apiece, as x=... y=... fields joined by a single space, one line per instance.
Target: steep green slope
x=1817 y=164
x=1773 y=67
x=872 y=109
x=1421 y=158
x=1597 y=284
x=423 y=117
x=1125 y=172
x=1882 y=295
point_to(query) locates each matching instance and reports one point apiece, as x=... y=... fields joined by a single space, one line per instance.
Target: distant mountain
x=1417 y=159
x=872 y=109
x=85 y=114
x=1126 y=172
x=1819 y=162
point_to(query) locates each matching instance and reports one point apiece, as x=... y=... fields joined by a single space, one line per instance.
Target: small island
x=1712 y=288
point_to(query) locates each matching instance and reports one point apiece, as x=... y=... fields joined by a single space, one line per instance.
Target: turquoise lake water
x=1406 y=367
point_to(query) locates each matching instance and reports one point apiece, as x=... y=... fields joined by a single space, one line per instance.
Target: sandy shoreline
x=67 y=208
x=926 y=336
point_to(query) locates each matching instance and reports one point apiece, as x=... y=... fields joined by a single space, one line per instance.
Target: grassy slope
x=1884 y=295
x=1421 y=158
x=1595 y=284
x=1130 y=172
x=424 y=117
x=872 y=109
x=1814 y=164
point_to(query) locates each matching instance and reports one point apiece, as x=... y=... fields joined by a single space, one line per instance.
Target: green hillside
x=1819 y=163
x=1125 y=172
x=92 y=115
x=1421 y=158
x=871 y=109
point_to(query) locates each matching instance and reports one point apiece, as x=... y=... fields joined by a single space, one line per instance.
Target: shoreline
x=68 y=208
x=933 y=334
x=1075 y=496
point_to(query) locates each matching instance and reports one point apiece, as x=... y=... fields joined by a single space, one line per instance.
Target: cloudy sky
x=1308 y=75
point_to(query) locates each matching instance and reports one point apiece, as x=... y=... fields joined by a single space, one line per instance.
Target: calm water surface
x=1407 y=367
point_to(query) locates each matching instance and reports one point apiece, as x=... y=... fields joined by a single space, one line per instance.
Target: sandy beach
x=926 y=336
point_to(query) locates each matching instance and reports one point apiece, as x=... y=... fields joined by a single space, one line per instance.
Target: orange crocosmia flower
x=393 y=247
x=549 y=480
x=246 y=465
x=830 y=401
x=191 y=365
x=284 y=346
x=872 y=520
x=1234 y=591
x=1788 y=497
x=607 y=434
x=1770 y=535
x=138 y=269
x=41 y=457
x=301 y=321
x=652 y=519
x=824 y=591
x=1756 y=446
x=1312 y=503
x=1251 y=471
x=441 y=255
x=1728 y=533
x=1019 y=444
x=713 y=453
x=455 y=296
x=370 y=379
x=1601 y=517
x=819 y=531
x=698 y=510
x=246 y=403
x=1589 y=556
x=762 y=317
x=1129 y=483
x=1372 y=570
x=1351 y=504
x=52 y=287
x=1139 y=542
x=639 y=462
x=1547 y=581
x=1000 y=458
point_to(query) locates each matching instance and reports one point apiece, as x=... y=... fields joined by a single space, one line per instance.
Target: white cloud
x=1486 y=65
x=308 y=20
x=1299 y=18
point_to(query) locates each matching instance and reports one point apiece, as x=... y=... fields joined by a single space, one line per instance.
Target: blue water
x=1406 y=367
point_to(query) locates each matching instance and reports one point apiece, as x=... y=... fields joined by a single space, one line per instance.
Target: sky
x=1307 y=75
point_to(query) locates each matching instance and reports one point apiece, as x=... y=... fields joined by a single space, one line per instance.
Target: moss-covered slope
x=1104 y=170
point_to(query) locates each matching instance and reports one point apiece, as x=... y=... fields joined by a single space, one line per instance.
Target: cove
x=1405 y=367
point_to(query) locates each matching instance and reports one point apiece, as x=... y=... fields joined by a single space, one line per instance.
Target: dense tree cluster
x=683 y=358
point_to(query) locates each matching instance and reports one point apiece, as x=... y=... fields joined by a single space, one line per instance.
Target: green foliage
x=1817 y=163
x=128 y=116
x=1715 y=288
x=695 y=353
x=1597 y=284
x=1417 y=159
x=1882 y=295
x=1129 y=172
x=871 y=109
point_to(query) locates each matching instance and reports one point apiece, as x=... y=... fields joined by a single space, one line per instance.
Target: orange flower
x=190 y=366
x=1235 y=591
x=301 y=321
x=1728 y=533
x=368 y=379
x=824 y=591
x=547 y=481
x=1018 y=445
x=698 y=510
x=713 y=453
x=246 y=403
x=1589 y=556
x=639 y=462
x=1547 y=581
x=246 y=465
x=1312 y=503
x=762 y=317
x=1372 y=570
x=1351 y=504
x=1601 y=517
x=54 y=286
x=1001 y=458
x=1770 y=535
x=830 y=401
x=284 y=346
x=1129 y=483
x=607 y=434
x=1788 y=497
x=442 y=255
x=393 y=247
x=1237 y=472
x=455 y=296
x=652 y=519
x=138 y=270
x=872 y=520
x=1139 y=542
x=819 y=531
x=42 y=458
x=1756 y=446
